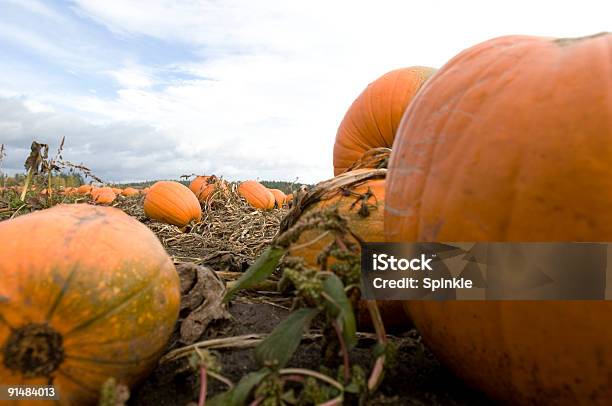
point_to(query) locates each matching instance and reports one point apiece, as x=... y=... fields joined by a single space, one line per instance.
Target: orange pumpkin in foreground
x=373 y=118
x=172 y=203
x=280 y=198
x=87 y=293
x=525 y=154
x=256 y=194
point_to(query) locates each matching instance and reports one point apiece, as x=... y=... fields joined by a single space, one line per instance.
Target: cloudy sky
x=153 y=89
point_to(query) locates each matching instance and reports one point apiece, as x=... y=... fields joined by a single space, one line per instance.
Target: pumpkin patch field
x=212 y=290
x=90 y=293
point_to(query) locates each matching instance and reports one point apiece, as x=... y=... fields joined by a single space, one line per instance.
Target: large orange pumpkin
x=280 y=198
x=512 y=141
x=172 y=203
x=361 y=204
x=87 y=293
x=374 y=117
x=256 y=194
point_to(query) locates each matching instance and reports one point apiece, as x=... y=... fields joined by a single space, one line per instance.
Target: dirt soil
x=417 y=379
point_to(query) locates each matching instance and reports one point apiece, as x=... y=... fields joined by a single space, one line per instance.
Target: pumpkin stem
x=34 y=350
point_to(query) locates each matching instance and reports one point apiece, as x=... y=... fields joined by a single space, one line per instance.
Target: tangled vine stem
x=203 y=386
x=313 y=374
x=373 y=158
x=345 y=355
x=326 y=190
x=378 y=370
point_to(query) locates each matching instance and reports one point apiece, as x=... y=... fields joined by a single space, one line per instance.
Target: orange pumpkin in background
x=129 y=191
x=96 y=191
x=512 y=141
x=172 y=203
x=84 y=189
x=79 y=309
x=69 y=191
x=204 y=186
x=280 y=198
x=256 y=194
x=199 y=183
x=106 y=196
x=373 y=118
x=117 y=190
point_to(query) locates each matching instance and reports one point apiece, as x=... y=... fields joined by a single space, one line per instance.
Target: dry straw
x=229 y=237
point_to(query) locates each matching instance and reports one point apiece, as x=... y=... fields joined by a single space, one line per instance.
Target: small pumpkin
x=96 y=191
x=84 y=189
x=204 y=186
x=105 y=197
x=373 y=118
x=280 y=198
x=130 y=191
x=69 y=191
x=117 y=190
x=256 y=194
x=172 y=203
x=87 y=293
x=511 y=141
x=198 y=184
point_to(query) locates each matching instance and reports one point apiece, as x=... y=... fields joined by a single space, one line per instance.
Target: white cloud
x=37 y=107
x=132 y=77
x=36 y=7
x=270 y=80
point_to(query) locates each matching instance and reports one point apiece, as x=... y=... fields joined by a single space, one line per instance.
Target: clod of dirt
x=202 y=293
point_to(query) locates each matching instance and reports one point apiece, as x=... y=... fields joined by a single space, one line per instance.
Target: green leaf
x=279 y=346
x=341 y=309
x=238 y=395
x=259 y=271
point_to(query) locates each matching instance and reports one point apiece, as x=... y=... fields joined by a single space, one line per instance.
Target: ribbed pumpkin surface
x=256 y=194
x=87 y=293
x=172 y=203
x=373 y=118
x=512 y=141
x=279 y=197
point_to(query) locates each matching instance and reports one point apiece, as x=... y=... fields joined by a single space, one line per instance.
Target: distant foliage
x=286 y=187
x=62 y=179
